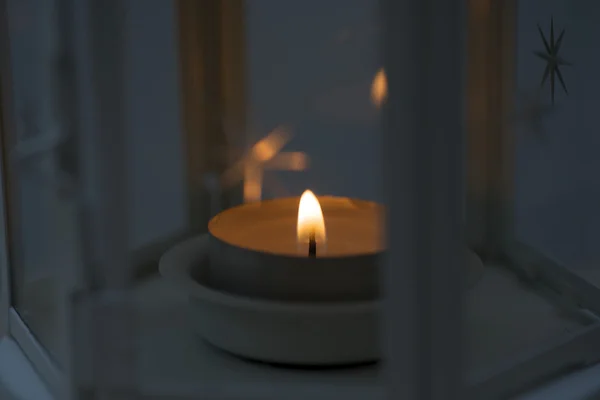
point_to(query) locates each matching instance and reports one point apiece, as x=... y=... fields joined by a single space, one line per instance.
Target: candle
x=264 y=249
x=302 y=249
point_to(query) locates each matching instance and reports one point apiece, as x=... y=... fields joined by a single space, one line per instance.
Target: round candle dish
x=292 y=333
x=254 y=251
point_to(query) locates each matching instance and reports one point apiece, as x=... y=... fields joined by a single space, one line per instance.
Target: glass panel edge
x=35 y=352
x=535 y=266
x=545 y=363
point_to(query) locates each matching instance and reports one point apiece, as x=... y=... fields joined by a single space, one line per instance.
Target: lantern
x=236 y=199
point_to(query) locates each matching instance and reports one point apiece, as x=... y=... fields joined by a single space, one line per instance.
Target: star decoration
x=553 y=60
x=263 y=155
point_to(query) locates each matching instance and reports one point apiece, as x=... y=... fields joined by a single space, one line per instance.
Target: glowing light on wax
x=379 y=88
x=310 y=219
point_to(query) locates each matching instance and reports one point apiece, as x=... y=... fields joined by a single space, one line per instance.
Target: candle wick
x=312 y=245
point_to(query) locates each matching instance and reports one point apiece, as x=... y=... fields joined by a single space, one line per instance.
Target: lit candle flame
x=310 y=219
x=379 y=88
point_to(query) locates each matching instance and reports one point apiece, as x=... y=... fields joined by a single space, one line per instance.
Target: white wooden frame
x=423 y=170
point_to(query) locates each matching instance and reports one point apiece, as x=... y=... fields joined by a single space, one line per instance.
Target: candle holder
x=274 y=331
x=256 y=292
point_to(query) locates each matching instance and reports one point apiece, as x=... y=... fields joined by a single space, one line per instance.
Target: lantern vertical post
x=103 y=327
x=423 y=176
x=5 y=95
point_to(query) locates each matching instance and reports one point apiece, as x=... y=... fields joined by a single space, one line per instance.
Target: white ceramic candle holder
x=300 y=333
x=294 y=333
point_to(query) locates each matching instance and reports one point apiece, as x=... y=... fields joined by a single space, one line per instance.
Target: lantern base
x=305 y=334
